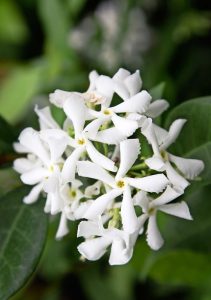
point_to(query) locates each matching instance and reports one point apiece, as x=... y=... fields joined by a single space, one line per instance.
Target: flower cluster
x=107 y=166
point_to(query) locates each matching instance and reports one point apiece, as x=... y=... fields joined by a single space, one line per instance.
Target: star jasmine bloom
x=120 y=184
x=47 y=148
x=93 y=248
x=150 y=207
x=160 y=139
x=75 y=109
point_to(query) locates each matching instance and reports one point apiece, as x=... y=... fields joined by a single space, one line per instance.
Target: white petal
x=75 y=109
x=99 y=158
x=121 y=90
x=173 y=133
x=92 y=128
x=101 y=204
x=137 y=104
x=93 y=189
x=63 y=227
x=34 y=176
x=155 y=163
x=125 y=126
x=128 y=215
x=57 y=141
x=94 y=249
x=22 y=165
x=156 y=108
x=93 y=75
x=120 y=255
x=141 y=200
x=129 y=151
x=105 y=87
x=189 y=167
x=111 y=136
x=82 y=208
x=34 y=194
x=153 y=183
x=133 y=83
x=46 y=119
x=59 y=97
x=175 y=178
x=148 y=131
x=30 y=139
x=88 y=229
x=54 y=203
x=160 y=133
x=180 y=210
x=20 y=148
x=169 y=195
x=154 y=238
x=69 y=167
x=92 y=170
x=121 y=74
x=51 y=183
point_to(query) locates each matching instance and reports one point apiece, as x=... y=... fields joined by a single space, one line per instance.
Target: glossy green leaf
x=23 y=231
x=157 y=91
x=17 y=91
x=182 y=268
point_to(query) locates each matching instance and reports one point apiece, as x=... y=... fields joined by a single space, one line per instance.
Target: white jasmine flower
x=160 y=139
x=120 y=184
x=42 y=168
x=46 y=119
x=93 y=248
x=150 y=207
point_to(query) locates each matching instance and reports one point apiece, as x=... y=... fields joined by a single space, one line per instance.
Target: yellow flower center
x=107 y=112
x=51 y=168
x=72 y=193
x=81 y=141
x=120 y=183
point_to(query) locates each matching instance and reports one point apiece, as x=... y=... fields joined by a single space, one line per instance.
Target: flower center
x=107 y=112
x=120 y=184
x=81 y=141
x=72 y=193
x=51 y=169
x=164 y=155
x=151 y=211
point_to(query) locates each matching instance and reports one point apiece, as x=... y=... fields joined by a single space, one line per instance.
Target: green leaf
x=157 y=91
x=182 y=268
x=23 y=230
x=9 y=180
x=17 y=91
x=7 y=132
x=194 y=140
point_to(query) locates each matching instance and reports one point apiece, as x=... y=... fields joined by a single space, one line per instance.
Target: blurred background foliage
x=49 y=44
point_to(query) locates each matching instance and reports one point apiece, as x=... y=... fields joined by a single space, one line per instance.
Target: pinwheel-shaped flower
x=150 y=207
x=161 y=139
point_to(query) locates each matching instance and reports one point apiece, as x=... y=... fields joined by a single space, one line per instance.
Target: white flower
x=150 y=207
x=120 y=184
x=46 y=119
x=93 y=248
x=75 y=109
x=42 y=167
x=160 y=139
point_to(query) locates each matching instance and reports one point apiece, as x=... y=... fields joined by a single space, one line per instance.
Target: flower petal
x=93 y=75
x=121 y=74
x=173 y=133
x=75 y=109
x=155 y=163
x=141 y=200
x=63 y=227
x=99 y=158
x=133 y=83
x=180 y=210
x=105 y=87
x=95 y=248
x=129 y=218
x=93 y=190
x=59 y=97
x=189 y=167
x=30 y=139
x=125 y=126
x=120 y=255
x=34 y=194
x=153 y=183
x=136 y=104
x=88 y=229
x=34 y=176
x=129 y=151
x=101 y=204
x=92 y=128
x=92 y=170
x=69 y=167
x=57 y=141
x=156 y=108
x=147 y=130
x=111 y=136
x=45 y=118
x=167 y=196
x=175 y=178
x=154 y=238
x=22 y=165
